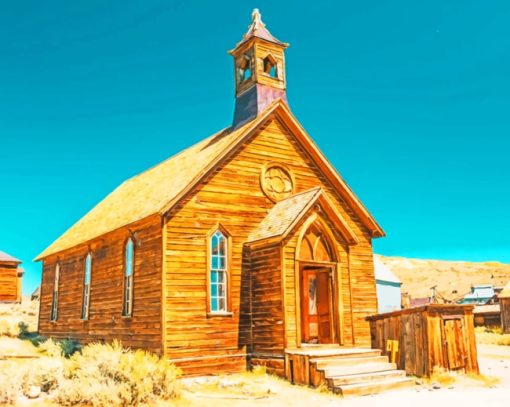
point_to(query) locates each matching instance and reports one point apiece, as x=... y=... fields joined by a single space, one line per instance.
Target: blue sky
x=409 y=100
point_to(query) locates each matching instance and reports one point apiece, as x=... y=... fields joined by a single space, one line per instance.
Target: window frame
x=228 y=267
x=128 y=313
x=85 y=301
x=54 y=299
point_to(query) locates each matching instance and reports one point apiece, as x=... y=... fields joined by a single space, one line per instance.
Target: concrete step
x=365 y=377
x=335 y=371
x=373 y=387
x=334 y=361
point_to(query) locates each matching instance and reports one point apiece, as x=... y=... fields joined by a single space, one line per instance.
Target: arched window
x=54 y=301
x=218 y=273
x=86 y=287
x=129 y=257
x=244 y=67
x=270 y=66
x=314 y=246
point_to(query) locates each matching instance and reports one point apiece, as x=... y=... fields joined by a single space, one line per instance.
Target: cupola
x=259 y=63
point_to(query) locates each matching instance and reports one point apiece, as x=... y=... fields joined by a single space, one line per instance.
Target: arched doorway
x=316 y=265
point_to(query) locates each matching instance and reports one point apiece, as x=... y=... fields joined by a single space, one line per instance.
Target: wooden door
x=455 y=350
x=316 y=321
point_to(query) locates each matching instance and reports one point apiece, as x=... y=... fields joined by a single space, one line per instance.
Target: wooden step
x=333 y=361
x=365 y=377
x=373 y=387
x=337 y=351
x=347 y=370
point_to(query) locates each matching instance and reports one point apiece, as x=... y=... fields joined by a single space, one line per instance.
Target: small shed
x=426 y=338
x=389 y=296
x=10 y=278
x=504 y=304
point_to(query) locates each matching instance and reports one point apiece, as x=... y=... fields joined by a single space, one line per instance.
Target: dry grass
x=493 y=336
x=450 y=378
x=99 y=375
x=12 y=314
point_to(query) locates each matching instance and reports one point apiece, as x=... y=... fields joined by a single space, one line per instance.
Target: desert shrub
x=45 y=373
x=22 y=328
x=107 y=374
x=9 y=384
x=58 y=347
x=9 y=328
x=69 y=347
x=51 y=348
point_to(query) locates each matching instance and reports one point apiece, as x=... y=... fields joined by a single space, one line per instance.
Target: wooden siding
x=430 y=337
x=231 y=196
x=504 y=303
x=105 y=323
x=10 y=283
x=268 y=337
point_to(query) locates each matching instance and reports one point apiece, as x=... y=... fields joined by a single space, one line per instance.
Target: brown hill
x=452 y=278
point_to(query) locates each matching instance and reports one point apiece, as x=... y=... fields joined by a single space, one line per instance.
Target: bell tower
x=259 y=63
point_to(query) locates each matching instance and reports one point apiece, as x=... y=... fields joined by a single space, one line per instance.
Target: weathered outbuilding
x=232 y=251
x=504 y=304
x=427 y=338
x=10 y=278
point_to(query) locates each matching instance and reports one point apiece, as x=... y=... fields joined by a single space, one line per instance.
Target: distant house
x=36 y=294
x=10 y=278
x=504 y=303
x=487 y=315
x=479 y=295
x=419 y=302
x=389 y=296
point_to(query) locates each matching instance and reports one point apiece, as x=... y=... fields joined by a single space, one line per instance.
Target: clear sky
x=410 y=100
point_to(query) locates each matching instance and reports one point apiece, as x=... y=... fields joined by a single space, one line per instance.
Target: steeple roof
x=258 y=29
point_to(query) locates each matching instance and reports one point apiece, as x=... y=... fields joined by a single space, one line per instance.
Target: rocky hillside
x=452 y=278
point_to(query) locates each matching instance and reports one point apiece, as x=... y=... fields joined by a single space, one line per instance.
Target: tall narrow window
x=54 y=301
x=86 y=287
x=218 y=273
x=127 y=307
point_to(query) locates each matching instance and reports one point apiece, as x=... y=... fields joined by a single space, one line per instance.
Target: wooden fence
x=428 y=337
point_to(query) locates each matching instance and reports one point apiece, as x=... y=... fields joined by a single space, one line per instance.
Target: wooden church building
x=231 y=252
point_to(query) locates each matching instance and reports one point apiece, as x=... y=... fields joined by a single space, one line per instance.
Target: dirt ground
x=493 y=391
x=251 y=389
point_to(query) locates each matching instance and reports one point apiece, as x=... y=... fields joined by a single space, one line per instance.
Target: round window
x=276 y=182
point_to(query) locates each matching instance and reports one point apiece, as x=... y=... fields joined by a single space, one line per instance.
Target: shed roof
x=158 y=189
x=7 y=258
x=506 y=291
x=383 y=273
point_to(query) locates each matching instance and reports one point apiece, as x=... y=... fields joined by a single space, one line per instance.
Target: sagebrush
x=107 y=374
x=98 y=375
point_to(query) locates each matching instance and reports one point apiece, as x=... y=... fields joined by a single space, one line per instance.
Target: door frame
x=333 y=298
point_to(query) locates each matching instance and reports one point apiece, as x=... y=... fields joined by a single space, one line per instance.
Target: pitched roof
x=282 y=217
x=4 y=257
x=158 y=189
x=383 y=273
x=506 y=291
x=258 y=29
